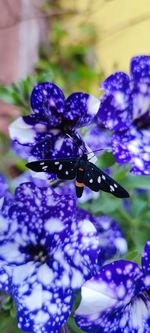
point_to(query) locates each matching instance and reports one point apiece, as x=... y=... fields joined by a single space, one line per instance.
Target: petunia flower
x=125 y=109
x=43 y=133
x=46 y=253
x=117 y=299
x=111 y=239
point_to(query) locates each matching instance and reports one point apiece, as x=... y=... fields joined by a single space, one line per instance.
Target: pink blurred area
x=23 y=26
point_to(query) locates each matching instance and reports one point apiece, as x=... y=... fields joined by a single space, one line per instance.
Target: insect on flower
x=85 y=173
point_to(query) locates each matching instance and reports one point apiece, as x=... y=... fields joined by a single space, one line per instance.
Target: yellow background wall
x=123 y=29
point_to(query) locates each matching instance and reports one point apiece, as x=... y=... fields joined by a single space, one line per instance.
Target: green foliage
x=72 y=66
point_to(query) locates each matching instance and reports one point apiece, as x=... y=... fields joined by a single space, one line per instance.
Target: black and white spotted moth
x=85 y=173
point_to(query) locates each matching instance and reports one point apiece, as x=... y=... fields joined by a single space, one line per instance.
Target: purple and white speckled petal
x=3 y=185
x=141 y=102
x=81 y=251
x=133 y=146
x=34 y=212
x=146 y=263
x=105 y=298
x=40 y=309
x=140 y=67
x=116 y=104
x=111 y=239
x=81 y=109
x=48 y=100
x=5 y=279
x=118 y=81
x=115 y=111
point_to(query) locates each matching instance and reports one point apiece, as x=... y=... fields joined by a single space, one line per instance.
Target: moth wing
x=96 y=179
x=63 y=168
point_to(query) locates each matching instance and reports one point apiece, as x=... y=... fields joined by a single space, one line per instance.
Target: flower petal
x=6 y=279
x=111 y=238
x=106 y=295
x=47 y=100
x=115 y=110
x=22 y=132
x=81 y=109
x=10 y=253
x=140 y=67
x=3 y=185
x=98 y=138
x=118 y=81
x=141 y=102
x=146 y=263
x=133 y=146
x=81 y=251
x=41 y=310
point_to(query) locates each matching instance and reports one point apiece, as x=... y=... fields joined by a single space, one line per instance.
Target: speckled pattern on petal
x=42 y=310
x=146 y=262
x=133 y=146
x=81 y=109
x=48 y=100
x=3 y=185
x=140 y=67
x=111 y=239
x=46 y=252
x=111 y=301
x=115 y=111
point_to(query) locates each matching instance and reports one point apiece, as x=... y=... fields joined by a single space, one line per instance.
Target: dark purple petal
x=47 y=100
x=133 y=146
x=140 y=67
x=40 y=123
x=144 y=121
x=146 y=263
x=118 y=81
x=81 y=109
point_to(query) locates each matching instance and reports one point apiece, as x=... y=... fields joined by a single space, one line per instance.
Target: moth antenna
x=92 y=152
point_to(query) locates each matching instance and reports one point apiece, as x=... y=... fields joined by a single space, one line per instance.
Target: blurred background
x=55 y=36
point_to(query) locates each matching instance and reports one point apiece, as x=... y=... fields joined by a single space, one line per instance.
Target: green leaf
x=5 y=322
x=6 y=94
x=138 y=182
x=106 y=160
